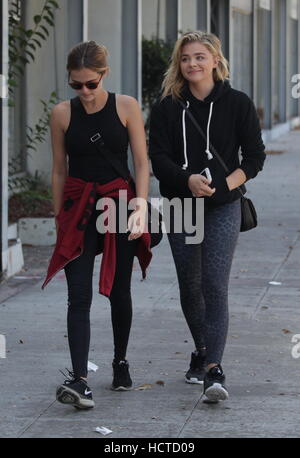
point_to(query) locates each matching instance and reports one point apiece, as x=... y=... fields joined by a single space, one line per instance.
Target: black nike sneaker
x=121 y=376
x=214 y=389
x=75 y=392
x=196 y=372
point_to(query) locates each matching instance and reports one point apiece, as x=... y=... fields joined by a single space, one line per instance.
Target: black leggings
x=79 y=274
x=203 y=273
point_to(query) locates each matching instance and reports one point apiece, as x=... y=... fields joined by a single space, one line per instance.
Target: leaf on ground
x=274 y=152
x=146 y=386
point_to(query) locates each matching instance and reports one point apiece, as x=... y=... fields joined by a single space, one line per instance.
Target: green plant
x=38 y=133
x=31 y=203
x=156 y=55
x=33 y=136
x=36 y=183
x=23 y=42
x=28 y=182
x=35 y=200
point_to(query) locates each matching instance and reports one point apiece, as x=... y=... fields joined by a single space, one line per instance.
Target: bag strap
x=212 y=148
x=97 y=140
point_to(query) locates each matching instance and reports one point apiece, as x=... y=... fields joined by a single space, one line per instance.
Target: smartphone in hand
x=206 y=173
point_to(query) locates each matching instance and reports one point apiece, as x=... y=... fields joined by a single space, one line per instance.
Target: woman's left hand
x=136 y=223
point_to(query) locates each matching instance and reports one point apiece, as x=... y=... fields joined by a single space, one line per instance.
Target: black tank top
x=85 y=161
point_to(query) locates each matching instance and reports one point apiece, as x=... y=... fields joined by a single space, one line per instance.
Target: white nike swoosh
x=87 y=392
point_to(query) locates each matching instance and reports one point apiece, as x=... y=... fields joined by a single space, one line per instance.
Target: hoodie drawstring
x=184 y=138
x=209 y=155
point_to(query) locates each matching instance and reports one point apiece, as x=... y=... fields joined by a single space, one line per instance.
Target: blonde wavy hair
x=174 y=81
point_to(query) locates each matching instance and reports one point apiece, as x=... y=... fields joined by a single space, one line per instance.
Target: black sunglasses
x=89 y=84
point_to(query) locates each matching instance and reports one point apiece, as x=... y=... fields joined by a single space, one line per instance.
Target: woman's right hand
x=199 y=186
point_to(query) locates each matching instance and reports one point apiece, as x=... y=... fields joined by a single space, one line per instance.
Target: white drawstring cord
x=209 y=155
x=184 y=138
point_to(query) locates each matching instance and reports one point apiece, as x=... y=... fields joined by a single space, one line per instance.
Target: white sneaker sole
x=215 y=393
x=194 y=381
x=121 y=388
x=68 y=396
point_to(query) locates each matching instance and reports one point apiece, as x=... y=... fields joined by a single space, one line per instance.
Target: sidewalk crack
x=190 y=416
x=35 y=420
x=275 y=276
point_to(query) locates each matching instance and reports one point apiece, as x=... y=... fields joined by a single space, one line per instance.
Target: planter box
x=12 y=258
x=37 y=231
x=12 y=231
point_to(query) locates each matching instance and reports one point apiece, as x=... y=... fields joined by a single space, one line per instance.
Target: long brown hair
x=174 y=81
x=88 y=54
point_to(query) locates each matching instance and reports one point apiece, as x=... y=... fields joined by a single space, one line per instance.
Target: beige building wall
x=46 y=74
x=104 y=25
x=154 y=18
x=188 y=15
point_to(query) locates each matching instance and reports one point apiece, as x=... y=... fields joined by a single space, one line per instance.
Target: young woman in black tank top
x=119 y=119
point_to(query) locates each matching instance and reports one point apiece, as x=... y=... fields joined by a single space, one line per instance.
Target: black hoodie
x=177 y=150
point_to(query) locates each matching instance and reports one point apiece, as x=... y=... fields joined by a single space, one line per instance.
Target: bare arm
x=60 y=164
x=235 y=179
x=137 y=138
x=200 y=185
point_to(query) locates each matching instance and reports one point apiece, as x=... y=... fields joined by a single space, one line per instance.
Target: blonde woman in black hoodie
x=198 y=77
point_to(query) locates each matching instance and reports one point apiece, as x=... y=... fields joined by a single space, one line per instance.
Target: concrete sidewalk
x=262 y=375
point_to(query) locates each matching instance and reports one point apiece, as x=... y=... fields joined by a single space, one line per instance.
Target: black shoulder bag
x=154 y=216
x=248 y=212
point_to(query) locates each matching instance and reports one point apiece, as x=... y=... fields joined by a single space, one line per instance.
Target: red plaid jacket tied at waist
x=79 y=199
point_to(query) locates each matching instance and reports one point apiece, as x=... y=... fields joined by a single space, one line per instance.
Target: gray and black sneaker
x=196 y=372
x=75 y=392
x=214 y=389
x=121 y=376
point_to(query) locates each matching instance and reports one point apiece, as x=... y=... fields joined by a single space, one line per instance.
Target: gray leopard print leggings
x=203 y=275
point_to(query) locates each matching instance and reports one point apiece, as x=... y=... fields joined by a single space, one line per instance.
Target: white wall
x=188 y=15
x=104 y=26
x=244 y=5
x=149 y=18
x=46 y=74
